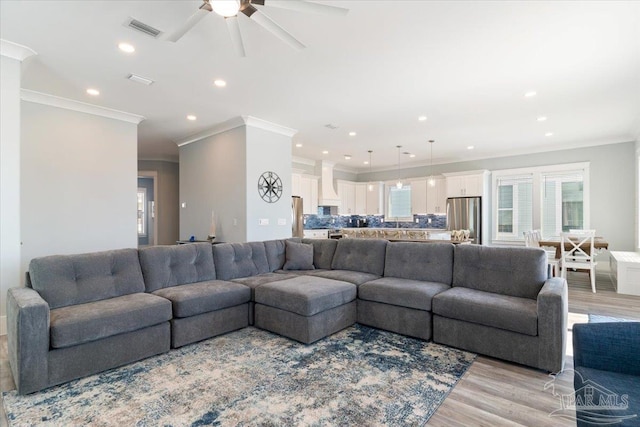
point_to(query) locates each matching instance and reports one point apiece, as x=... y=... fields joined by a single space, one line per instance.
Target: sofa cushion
x=306 y=295
x=401 y=292
x=365 y=255
x=323 y=251
x=233 y=260
x=486 y=308
x=81 y=323
x=299 y=256
x=203 y=297
x=275 y=251
x=164 y=266
x=518 y=272
x=64 y=280
x=432 y=262
x=254 y=281
x=355 y=277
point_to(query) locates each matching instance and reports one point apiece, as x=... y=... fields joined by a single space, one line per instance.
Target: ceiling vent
x=143 y=28
x=140 y=79
x=331 y=126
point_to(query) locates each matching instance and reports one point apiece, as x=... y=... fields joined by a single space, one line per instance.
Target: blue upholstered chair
x=607 y=373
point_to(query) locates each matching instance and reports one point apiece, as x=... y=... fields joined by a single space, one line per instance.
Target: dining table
x=599 y=244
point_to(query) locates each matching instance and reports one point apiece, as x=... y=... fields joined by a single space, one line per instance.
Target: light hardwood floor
x=492 y=392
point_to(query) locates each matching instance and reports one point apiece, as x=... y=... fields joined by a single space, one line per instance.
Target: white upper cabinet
x=375 y=190
x=306 y=186
x=360 y=204
x=419 y=196
x=347 y=194
x=437 y=196
x=470 y=185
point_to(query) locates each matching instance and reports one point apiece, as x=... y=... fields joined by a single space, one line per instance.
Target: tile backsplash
x=376 y=221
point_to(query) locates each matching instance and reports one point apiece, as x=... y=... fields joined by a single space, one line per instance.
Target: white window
x=398 y=202
x=550 y=198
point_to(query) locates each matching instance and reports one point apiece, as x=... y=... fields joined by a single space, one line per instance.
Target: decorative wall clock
x=270 y=187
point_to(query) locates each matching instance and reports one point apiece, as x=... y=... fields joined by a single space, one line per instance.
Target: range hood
x=326 y=193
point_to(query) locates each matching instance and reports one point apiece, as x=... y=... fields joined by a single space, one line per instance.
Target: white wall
x=9 y=180
x=267 y=151
x=78 y=182
x=212 y=178
x=220 y=173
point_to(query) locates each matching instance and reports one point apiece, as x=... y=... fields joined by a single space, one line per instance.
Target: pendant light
x=431 y=180
x=399 y=183
x=370 y=186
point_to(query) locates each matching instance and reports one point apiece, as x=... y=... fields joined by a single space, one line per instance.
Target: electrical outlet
x=183 y=205
x=417 y=221
x=235 y=222
x=428 y=220
x=263 y=221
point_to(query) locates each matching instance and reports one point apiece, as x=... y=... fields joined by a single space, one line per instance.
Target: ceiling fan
x=229 y=9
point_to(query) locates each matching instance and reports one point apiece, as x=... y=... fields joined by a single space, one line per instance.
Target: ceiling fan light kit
x=229 y=9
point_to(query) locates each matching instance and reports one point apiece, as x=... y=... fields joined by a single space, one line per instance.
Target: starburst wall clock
x=270 y=187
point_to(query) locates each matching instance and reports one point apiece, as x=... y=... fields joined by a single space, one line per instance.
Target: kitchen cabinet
x=471 y=185
x=419 y=196
x=360 y=204
x=437 y=196
x=347 y=194
x=374 y=197
x=316 y=234
x=306 y=186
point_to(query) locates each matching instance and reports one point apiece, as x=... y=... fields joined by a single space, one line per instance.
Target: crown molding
x=303 y=161
x=270 y=126
x=82 y=107
x=15 y=51
x=235 y=123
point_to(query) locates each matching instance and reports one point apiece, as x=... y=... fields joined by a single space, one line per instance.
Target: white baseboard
x=3 y=325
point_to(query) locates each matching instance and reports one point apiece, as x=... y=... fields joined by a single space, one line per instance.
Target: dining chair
x=577 y=251
x=532 y=240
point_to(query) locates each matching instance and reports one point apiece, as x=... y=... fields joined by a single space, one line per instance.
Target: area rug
x=359 y=376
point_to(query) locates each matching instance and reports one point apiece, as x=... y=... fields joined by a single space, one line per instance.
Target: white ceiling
x=465 y=65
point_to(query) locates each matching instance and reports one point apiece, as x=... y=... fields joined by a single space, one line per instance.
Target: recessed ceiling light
x=548 y=134
x=219 y=83
x=325 y=152
x=347 y=157
x=298 y=145
x=422 y=118
x=542 y=119
x=471 y=147
x=412 y=155
x=191 y=117
x=366 y=162
x=530 y=94
x=93 y=92
x=126 y=47
x=352 y=133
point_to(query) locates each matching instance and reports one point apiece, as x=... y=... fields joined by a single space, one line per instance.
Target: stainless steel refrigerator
x=465 y=213
x=297 y=220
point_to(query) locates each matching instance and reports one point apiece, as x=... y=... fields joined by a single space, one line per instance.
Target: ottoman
x=305 y=308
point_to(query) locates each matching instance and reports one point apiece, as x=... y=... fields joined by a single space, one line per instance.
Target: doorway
x=146 y=210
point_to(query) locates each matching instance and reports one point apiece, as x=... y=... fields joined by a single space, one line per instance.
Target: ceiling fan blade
x=268 y=24
x=189 y=24
x=305 y=6
x=234 y=32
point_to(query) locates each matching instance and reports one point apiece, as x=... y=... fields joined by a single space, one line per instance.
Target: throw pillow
x=298 y=256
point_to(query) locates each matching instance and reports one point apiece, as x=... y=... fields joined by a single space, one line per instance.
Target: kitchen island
x=425 y=235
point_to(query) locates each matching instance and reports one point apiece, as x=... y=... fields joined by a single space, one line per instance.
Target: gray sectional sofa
x=82 y=314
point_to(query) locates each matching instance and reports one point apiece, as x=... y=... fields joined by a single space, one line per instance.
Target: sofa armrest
x=613 y=347
x=553 y=310
x=28 y=339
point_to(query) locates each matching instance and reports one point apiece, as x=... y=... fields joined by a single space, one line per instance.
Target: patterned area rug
x=359 y=376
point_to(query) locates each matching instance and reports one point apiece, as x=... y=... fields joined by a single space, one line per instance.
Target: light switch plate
x=263 y=221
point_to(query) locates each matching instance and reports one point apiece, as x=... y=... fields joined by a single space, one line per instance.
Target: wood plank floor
x=492 y=392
